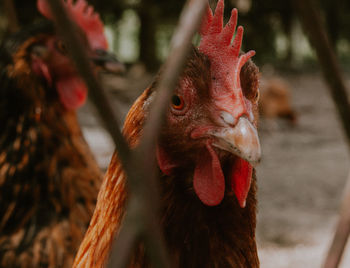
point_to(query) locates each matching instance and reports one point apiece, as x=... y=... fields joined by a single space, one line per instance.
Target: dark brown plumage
x=208 y=185
x=49 y=179
x=197 y=235
x=48 y=176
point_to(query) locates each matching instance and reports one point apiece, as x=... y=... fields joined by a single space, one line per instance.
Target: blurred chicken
x=205 y=153
x=275 y=100
x=48 y=177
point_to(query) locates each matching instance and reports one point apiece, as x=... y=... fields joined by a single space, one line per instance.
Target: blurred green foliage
x=140 y=30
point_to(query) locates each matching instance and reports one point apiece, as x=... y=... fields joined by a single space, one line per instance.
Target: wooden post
x=342 y=232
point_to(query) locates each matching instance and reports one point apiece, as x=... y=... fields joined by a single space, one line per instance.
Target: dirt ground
x=301 y=176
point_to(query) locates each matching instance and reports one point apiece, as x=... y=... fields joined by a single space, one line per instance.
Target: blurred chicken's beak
x=107 y=61
x=40 y=51
x=241 y=140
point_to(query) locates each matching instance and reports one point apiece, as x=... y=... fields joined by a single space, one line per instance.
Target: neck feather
x=197 y=235
x=43 y=155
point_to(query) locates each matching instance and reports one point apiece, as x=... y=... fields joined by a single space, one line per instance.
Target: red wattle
x=208 y=179
x=41 y=69
x=72 y=92
x=165 y=164
x=241 y=180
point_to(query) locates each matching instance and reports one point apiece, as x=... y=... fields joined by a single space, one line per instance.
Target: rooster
x=49 y=179
x=205 y=153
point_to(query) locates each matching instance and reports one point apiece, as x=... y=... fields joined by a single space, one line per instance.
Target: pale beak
x=107 y=61
x=40 y=51
x=241 y=140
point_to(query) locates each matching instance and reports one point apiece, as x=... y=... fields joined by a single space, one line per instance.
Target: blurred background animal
x=205 y=153
x=49 y=179
x=275 y=100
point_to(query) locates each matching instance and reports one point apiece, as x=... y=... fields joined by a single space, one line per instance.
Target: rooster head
x=50 y=59
x=211 y=127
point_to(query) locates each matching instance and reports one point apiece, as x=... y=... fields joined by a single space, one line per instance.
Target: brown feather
x=196 y=235
x=49 y=178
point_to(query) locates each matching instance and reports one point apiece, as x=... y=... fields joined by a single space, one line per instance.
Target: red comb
x=216 y=43
x=84 y=15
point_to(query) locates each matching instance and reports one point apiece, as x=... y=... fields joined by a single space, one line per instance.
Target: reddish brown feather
x=48 y=177
x=196 y=235
x=109 y=211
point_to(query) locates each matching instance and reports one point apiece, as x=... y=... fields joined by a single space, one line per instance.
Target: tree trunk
x=11 y=14
x=312 y=24
x=147 y=35
x=287 y=22
x=333 y=23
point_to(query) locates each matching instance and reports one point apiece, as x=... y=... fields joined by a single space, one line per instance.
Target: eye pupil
x=176 y=100
x=257 y=94
x=62 y=47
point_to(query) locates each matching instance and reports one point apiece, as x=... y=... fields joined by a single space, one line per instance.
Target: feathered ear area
x=216 y=43
x=84 y=15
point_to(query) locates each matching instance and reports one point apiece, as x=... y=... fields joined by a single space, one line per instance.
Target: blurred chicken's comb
x=84 y=15
x=216 y=44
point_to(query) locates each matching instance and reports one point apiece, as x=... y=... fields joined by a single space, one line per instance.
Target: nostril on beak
x=228 y=118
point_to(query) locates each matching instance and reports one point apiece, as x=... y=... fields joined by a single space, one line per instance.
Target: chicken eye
x=177 y=102
x=257 y=95
x=61 y=47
